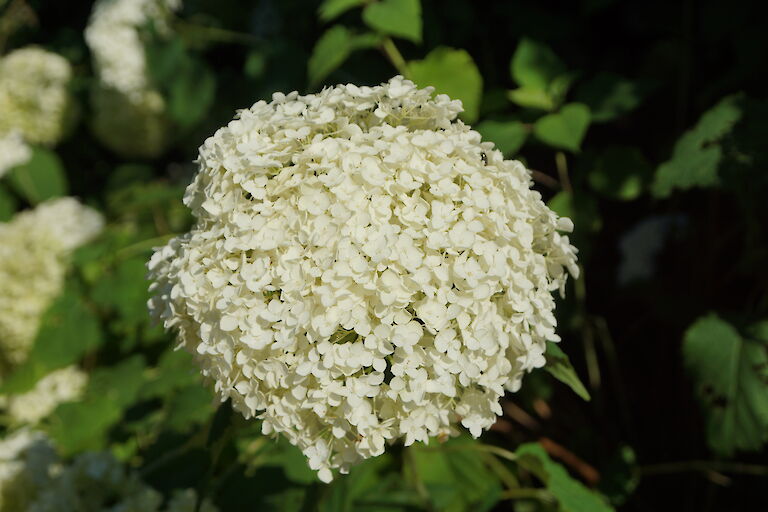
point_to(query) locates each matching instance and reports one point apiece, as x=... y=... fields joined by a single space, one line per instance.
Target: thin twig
x=562 y=171
x=545 y=179
x=666 y=468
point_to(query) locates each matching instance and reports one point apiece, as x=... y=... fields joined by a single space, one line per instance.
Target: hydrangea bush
x=363 y=268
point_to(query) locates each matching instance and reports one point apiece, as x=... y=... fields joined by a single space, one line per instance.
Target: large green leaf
x=509 y=136
x=564 y=129
x=333 y=48
x=68 y=331
x=571 y=494
x=41 y=178
x=82 y=425
x=451 y=72
x=731 y=378
x=400 y=18
x=697 y=154
x=191 y=93
x=561 y=368
x=455 y=476
x=534 y=65
x=331 y=9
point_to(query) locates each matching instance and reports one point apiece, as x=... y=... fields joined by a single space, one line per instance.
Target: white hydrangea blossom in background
x=34 y=252
x=115 y=41
x=363 y=268
x=63 y=385
x=34 y=95
x=13 y=151
x=34 y=479
x=25 y=459
x=130 y=116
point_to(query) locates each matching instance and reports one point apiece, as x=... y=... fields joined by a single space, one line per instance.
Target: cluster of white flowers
x=34 y=479
x=63 y=385
x=130 y=114
x=35 y=101
x=363 y=268
x=34 y=251
x=25 y=459
x=13 y=151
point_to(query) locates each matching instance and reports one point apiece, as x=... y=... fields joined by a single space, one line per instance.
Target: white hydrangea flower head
x=34 y=95
x=363 y=268
x=13 y=151
x=62 y=385
x=129 y=114
x=25 y=459
x=34 y=252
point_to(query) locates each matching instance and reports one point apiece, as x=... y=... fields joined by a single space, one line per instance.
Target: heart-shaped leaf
x=400 y=18
x=564 y=129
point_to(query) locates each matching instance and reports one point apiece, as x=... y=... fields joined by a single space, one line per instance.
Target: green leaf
x=7 y=205
x=451 y=72
x=564 y=129
x=509 y=136
x=68 y=331
x=191 y=93
x=455 y=475
x=527 y=97
x=333 y=48
x=560 y=367
x=399 y=18
x=610 y=96
x=571 y=494
x=731 y=378
x=83 y=425
x=534 y=65
x=697 y=154
x=620 y=172
x=123 y=289
x=41 y=178
x=331 y=9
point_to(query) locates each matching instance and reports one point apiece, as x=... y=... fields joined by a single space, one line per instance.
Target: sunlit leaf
x=400 y=18
x=697 y=154
x=564 y=129
x=509 y=136
x=571 y=494
x=331 y=9
x=451 y=72
x=561 y=368
x=534 y=65
x=730 y=373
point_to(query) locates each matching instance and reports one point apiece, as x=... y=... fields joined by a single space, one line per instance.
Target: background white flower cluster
x=363 y=268
x=129 y=112
x=35 y=102
x=34 y=479
x=35 y=247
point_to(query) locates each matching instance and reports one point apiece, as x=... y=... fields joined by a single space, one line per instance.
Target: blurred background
x=646 y=123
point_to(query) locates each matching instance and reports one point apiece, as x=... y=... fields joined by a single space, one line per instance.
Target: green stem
x=526 y=493
x=562 y=171
x=142 y=246
x=394 y=56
